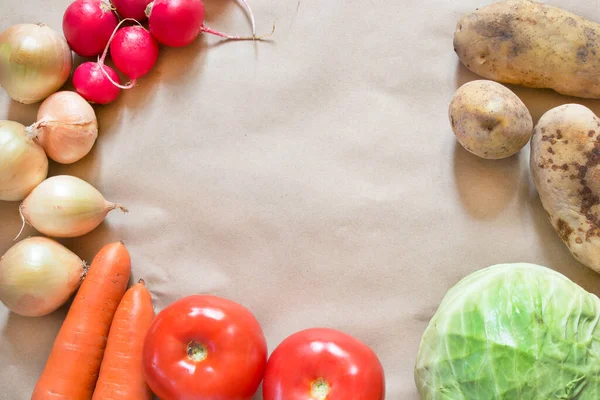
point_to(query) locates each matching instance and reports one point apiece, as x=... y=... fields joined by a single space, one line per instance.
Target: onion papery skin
x=38 y=276
x=23 y=162
x=35 y=61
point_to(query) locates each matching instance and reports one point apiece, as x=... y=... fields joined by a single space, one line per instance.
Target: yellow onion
x=23 y=163
x=35 y=61
x=66 y=127
x=65 y=206
x=38 y=275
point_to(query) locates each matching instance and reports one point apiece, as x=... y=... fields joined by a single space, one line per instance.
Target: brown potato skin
x=489 y=120
x=565 y=166
x=527 y=43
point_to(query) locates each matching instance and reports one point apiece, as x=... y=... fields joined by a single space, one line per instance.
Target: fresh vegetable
x=135 y=9
x=87 y=25
x=489 y=120
x=35 y=62
x=532 y=44
x=134 y=51
x=66 y=206
x=121 y=374
x=177 y=23
x=565 y=166
x=38 y=275
x=66 y=127
x=204 y=347
x=512 y=331
x=74 y=362
x=93 y=84
x=318 y=364
x=23 y=163
x=135 y=54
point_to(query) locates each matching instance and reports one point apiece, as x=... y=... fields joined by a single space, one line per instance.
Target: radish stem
x=206 y=29
x=251 y=17
x=103 y=56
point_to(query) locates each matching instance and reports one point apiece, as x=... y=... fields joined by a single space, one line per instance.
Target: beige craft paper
x=314 y=179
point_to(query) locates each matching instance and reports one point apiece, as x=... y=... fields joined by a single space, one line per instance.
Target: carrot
x=74 y=362
x=121 y=374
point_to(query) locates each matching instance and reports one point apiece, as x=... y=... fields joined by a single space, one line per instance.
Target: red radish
x=132 y=8
x=134 y=51
x=87 y=25
x=177 y=23
x=93 y=84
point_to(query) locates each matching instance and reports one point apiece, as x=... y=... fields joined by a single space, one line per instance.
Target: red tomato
x=323 y=364
x=204 y=347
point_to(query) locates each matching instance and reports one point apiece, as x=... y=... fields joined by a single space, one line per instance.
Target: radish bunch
x=92 y=29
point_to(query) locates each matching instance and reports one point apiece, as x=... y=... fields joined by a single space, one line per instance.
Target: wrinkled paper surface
x=314 y=179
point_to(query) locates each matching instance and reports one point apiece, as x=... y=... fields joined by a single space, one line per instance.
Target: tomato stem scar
x=319 y=389
x=196 y=352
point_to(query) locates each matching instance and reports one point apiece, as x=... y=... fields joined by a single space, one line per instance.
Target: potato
x=565 y=165
x=532 y=44
x=489 y=120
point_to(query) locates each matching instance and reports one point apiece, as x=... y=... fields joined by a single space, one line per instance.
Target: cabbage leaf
x=512 y=331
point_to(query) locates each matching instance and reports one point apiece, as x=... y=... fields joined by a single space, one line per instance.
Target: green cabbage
x=512 y=331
